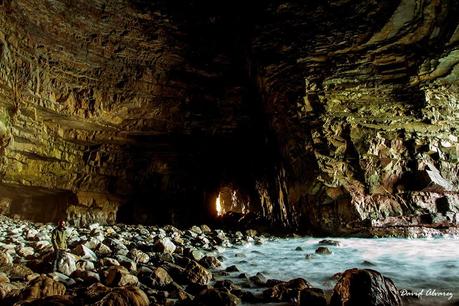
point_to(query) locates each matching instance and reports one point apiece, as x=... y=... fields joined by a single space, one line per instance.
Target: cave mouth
x=230 y=200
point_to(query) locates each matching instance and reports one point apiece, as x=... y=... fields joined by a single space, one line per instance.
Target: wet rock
x=118 y=276
x=312 y=296
x=210 y=262
x=330 y=242
x=323 y=251
x=248 y=297
x=309 y=256
x=368 y=263
x=298 y=248
x=365 y=287
x=232 y=268
x=124 y=296
x=272 y=282
x=286 y=291
x=194 y=254
x=226 y=284
x=212 y=297
x=259 y=279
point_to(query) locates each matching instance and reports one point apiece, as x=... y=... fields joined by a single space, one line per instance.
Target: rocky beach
x=150 y=265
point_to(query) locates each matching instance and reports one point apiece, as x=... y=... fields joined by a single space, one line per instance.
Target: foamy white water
x=414 y=264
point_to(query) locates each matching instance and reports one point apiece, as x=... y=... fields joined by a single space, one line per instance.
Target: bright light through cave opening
x=218 y=206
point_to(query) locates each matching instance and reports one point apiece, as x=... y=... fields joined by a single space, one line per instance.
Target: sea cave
x=277 y=152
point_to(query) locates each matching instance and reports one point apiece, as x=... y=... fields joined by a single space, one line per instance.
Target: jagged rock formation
x=328 y=115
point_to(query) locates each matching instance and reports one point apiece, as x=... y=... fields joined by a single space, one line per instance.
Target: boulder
x=232 y=268
x=365 y=287
x=259 y=279
x=323 y=251
x=206 y=229
x=85 y=265
x=67 y=264
x=43 y=246
x=6 y=287
x=108 y=261
x=19 y=272
x=330 y=242
x=139 y=256
x=55 y=300
x=286 y=291
x=312 y=296
x=212 y=297
x=210 y=262
x=5 y=258
x=195 y=273
x=157 y=278
x=118 y=276
x=26 y=251
x=42 y=286
x=193 y=254
x=131 y=296
x=61 y=278
x=84 y=252
x=126 y=262
x=88 y=277
x=103 y=250
x=94 y=293
x=196 y=229
x=165 y=245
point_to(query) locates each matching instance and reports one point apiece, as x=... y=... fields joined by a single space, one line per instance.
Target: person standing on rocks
x=59 y=240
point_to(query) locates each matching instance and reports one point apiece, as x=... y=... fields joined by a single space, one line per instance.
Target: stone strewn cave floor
x=150 y=265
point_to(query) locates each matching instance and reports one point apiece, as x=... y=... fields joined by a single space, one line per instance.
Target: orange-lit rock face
x=320 y=113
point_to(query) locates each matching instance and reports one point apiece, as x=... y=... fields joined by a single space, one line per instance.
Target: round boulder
x=365 y=287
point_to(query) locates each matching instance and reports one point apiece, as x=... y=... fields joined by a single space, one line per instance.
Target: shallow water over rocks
x=427 y=267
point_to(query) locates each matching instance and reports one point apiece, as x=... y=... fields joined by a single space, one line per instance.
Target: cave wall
x=326 y=115
x=363 y=98
x=125 y=104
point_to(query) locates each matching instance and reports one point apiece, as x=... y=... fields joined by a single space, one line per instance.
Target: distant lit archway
x=229 y=199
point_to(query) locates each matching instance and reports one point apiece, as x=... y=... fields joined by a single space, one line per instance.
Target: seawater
x=429 y=267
